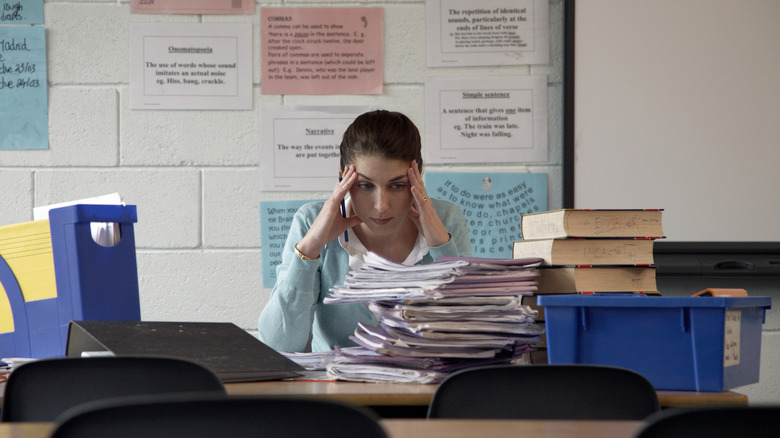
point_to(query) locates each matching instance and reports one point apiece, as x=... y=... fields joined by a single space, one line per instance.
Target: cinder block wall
x=194 y=175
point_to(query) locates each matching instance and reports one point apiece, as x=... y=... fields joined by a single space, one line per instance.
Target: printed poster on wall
x=300 y=146
x=488 y=32
x=486 y=119
x=275 y=220
x=191 y=66
x=321 y=50
x=493 y=204
x=24 y=108
x=192 y=7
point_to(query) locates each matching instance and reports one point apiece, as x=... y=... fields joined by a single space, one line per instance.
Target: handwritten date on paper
x=15 y=72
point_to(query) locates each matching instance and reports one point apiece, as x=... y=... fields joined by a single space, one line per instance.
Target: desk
x=412 y=428
x=405 y=394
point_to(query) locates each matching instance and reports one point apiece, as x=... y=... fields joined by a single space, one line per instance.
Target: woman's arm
x=454 y=221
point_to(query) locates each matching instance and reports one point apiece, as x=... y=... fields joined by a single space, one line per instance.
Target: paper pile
x=438 y=318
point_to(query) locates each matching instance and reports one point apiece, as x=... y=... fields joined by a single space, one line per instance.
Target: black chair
x=41 y=390
x=574 y=392
x=183 y=416
x=717 y=422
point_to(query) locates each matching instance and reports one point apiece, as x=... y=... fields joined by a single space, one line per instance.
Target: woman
x=387 y=212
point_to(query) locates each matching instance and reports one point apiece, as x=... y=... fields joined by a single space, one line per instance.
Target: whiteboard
x=676 y=105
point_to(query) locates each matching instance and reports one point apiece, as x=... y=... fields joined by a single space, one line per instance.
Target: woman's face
x=382 y=195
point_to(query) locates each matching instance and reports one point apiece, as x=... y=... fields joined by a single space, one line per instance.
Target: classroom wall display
x=486 y=119
x=24 y=111
x=275 y=220
x=493 y=204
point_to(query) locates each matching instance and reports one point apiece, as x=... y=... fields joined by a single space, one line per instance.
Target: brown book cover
x=575 y=251
x=579 y=279
x=592 y=223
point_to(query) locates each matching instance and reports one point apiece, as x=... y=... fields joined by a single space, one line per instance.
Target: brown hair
x=385 y=133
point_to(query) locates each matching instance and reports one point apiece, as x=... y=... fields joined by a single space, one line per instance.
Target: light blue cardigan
x=295 y=310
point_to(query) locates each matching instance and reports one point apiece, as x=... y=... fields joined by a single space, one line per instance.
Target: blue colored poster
x=493 y=204
x=24 y=114
x=275 y=220
x=21 y=12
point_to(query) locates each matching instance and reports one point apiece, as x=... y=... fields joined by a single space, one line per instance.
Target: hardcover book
x=592 y=223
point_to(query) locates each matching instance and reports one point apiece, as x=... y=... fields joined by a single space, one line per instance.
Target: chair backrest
x=714 y=422
x=545 y=392
x=41 y=390
x=209 y=417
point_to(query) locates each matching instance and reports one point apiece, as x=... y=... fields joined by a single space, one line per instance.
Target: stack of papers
x=438 y=318
x=382 y=279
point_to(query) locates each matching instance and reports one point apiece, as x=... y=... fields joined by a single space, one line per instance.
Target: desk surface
x=406 y=394
x=403 y=394
x=412 y=428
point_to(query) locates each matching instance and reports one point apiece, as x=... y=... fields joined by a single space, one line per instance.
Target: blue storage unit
x=93 y=282
x=678 y=343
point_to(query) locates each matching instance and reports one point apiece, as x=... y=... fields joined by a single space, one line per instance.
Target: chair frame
x=575 y=392
x=197 y=416
x=41 y=390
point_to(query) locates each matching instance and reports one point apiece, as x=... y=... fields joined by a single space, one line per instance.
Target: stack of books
x=591 y=251
x=438 y=318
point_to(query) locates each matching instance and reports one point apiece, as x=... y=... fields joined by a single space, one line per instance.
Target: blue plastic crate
x=678 y=343
x=90 y=281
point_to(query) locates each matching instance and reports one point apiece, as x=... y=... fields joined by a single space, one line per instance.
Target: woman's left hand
x=423 y=214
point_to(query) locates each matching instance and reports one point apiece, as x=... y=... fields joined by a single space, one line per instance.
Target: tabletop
x=408 y=394
x=413 y=428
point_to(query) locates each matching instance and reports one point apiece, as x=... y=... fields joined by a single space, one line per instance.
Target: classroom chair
x=572 y=392
x=717 y=422
x=43 y=389
x=184 y=416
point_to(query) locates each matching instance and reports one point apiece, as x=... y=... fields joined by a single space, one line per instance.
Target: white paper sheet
x=486 y=119
x=190 y=66
x=300 y=146
x=488 y=32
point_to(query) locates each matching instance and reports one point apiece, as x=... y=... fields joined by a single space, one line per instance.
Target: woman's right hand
x=329 y=224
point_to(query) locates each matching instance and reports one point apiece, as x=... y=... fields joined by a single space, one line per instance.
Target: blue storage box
x=678 y=343
x=53 y=272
